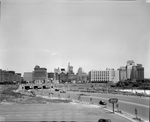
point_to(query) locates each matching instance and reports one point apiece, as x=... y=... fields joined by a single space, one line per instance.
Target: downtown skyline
x=91 y=35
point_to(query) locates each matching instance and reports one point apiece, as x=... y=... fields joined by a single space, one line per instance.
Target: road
x=126 y=103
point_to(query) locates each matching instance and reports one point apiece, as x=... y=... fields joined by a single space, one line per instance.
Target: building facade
x=62 y=76
x=116 y=77
x=131 y=71
x=51 y=76
x=122 y=73
x=130 y=64
x=103 y=75
x=84 y=77
x=56 y=74
x=70 y=69
x=79 y=75
x=9 y=76
x=140 y=72
x=40 y=75
x=28 y=76
x=70 y=74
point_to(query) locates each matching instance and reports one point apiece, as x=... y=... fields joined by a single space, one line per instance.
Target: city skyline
x=91 y=35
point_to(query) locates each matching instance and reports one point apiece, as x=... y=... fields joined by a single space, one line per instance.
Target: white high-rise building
x=104 y=75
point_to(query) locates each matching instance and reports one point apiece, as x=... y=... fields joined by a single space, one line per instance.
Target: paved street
x=126 y=103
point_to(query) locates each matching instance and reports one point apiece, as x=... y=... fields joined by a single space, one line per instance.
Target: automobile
x=56 y=89
x=104 y=120
x=62 y=91
x=101 y=102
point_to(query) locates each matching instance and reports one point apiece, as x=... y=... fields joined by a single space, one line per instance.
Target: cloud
x=54 y=53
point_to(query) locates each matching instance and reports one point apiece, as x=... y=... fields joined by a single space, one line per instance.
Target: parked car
x=101 y=102
x=104 y=120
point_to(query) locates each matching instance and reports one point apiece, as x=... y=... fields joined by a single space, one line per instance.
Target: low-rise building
x=9 y=76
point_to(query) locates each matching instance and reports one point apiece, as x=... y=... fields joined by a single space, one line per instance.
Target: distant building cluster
x=61 y=75
x=40 y=75
x=130 y=71
x=9 y=76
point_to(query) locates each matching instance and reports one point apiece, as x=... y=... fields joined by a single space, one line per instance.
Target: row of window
x=100 y=73
x=100 y=76
x=99 y=79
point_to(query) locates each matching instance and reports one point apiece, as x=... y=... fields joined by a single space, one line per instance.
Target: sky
x=90 y=34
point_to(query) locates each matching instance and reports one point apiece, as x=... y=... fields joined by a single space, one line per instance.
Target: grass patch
x=8 y=95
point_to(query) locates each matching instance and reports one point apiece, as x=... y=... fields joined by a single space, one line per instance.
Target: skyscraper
x=79 y=74
x=122 y=73
x=140 y=72
x=130 y=64
x=70 y=69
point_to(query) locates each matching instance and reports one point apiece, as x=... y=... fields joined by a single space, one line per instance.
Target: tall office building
x=79 y=74
x=40 y=74
x=130 y=64
x=131 y=71
x=134 y=74
x=122 y=73
x=70 y=69
x=70 y=74
x=140 y=72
